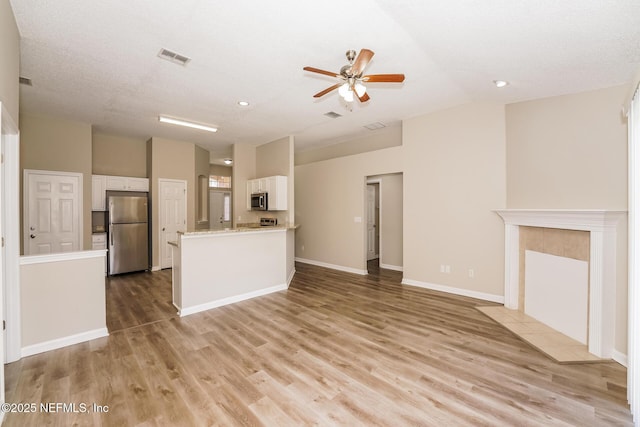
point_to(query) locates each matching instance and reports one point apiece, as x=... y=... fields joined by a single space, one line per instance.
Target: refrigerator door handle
x=111 y=235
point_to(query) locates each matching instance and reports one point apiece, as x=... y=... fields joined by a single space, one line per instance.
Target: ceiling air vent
x=173 y=57
x=333 y=114
x=375 y=126
x=26 y=81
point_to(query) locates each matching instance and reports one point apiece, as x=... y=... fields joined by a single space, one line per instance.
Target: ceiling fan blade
x=319 y=71
x=327 y=90
x=361 y=61
x=363 y=98
x=383 y=78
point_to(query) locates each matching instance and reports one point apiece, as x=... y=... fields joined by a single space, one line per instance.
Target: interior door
x=52 y=212
x=372 y=252
x=219 y=210
x=173 y=215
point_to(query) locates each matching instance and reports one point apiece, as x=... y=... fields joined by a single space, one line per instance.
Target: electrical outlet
x=302 y=248
x=441 y=268
x=471 y=273
x=447 y=269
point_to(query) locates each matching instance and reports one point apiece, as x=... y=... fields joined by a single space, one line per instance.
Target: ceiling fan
x=352 y=79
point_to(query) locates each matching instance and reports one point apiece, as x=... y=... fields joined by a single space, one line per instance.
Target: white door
x=53 y=212
x=219 y=210
x=173 y=215
x=372 y=252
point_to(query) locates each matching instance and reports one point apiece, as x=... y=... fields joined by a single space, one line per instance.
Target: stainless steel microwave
x=259 y=201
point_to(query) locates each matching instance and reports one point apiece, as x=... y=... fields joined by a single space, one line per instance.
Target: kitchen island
x=212 y=268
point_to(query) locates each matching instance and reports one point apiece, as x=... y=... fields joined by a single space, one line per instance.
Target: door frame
x=161 y=215
x=25 y=202
x=372 y=181
x=10 y=207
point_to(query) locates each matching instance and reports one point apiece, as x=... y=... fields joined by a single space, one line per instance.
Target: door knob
x=163 y=228
x=33 y=236
x=32 y=228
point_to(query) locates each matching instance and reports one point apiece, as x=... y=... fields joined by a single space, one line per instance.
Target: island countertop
x=240 y=229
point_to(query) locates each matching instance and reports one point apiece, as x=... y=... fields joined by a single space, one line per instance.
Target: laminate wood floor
x=335 y=349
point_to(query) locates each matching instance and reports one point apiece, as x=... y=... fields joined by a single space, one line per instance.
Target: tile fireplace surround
x=603 y=227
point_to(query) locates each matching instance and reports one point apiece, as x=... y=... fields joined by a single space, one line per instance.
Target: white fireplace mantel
x=603 y=227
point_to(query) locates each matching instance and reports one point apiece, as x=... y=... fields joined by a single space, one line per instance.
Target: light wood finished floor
x=335 y=349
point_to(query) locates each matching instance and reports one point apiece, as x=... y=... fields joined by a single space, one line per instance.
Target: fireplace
x=602 y=227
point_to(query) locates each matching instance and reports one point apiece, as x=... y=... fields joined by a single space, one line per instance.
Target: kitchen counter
x=240 y=229
x=212 y=268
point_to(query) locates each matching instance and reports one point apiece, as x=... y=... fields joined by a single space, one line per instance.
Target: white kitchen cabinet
x=277 y=189
x=99 y=241
x=117 y=183
x=101 y=183
x=98 y=192
x=125 y=183
x=274 y=186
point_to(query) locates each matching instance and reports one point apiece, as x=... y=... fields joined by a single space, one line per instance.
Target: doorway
x=172 y=215
x=383 y=214
x=219 y=209
x=52 y=212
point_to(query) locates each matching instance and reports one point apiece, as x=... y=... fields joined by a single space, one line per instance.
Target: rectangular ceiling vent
x=333 y=115
x=176 y=58
x=375 y=126
x=26 y=81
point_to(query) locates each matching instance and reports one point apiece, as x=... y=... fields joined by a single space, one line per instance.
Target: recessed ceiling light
x=171 y=120
x=228 y=161
x=243 y=103
x=500 y=83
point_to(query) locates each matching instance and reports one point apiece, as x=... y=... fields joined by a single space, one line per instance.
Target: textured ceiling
x=96 y=61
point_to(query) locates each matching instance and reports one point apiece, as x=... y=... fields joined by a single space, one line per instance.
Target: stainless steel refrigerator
x=128 y=233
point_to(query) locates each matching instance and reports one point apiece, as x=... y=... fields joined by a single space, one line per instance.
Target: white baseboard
x=332 y=266
x=391 y=267
x=226 y=301
x=455 y=291
x=290 y=278
x=619 y=357
x=63 y=342
x=156 y=268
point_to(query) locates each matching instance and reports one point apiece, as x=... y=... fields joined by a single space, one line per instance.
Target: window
x=218 y=181
x=227 y=207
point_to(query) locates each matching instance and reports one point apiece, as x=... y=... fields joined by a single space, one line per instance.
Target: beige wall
x=454 y=176
x=220 y=170
x=201 y=165
x=568 y=152
x=249 y=162
x=63 y=299
x=49 y=143
x=329 y=195
x=276 y=158
x=170 y=160
x=391 y=219
x=10 y=64
x=244 y=169
x=376 y=140
x=118 y=155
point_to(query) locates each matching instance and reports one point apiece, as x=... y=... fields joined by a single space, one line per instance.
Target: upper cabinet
x=101 y=183
x=274 y=186
x=124 y=183
x=98 y=192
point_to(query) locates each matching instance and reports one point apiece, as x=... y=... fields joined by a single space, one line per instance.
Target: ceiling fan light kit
x=352 y=79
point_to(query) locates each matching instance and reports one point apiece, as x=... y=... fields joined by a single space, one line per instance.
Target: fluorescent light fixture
x=243 y=103
x=165 y=119
x=228 y=161
x=500 y=83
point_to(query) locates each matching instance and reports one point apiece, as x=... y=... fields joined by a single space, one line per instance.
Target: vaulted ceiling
x=97 y=61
